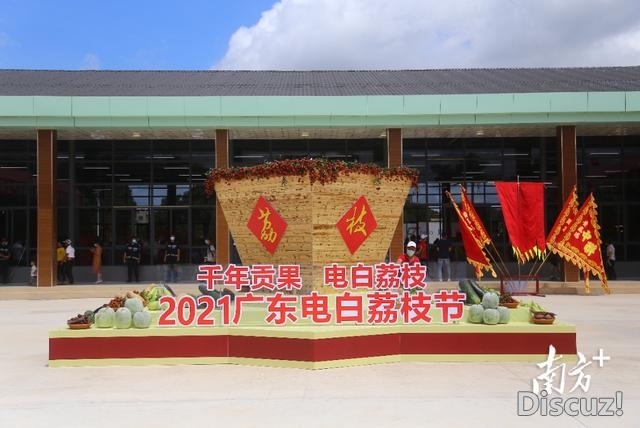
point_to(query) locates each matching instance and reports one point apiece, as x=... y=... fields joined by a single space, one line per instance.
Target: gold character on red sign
x=357 y=225
x=267 y=233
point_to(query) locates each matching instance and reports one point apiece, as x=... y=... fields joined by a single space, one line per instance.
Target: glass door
x=130 y=222
x=167 y=222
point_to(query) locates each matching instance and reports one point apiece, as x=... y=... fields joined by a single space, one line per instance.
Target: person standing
x=444 y=261
x=409 y=255
x=611 y=261
x=423 y=250
x=171 y=258
x=5 y=255
x=61 y=255
x=69 y=260
x=33 y=276
x=210 y=255
x=132 y=255
x=96 y=260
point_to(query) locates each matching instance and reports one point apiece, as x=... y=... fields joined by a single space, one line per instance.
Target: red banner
x=580 y=244
x=565 y=220
x=523 y=211
x=476 y=227
x=472 y=244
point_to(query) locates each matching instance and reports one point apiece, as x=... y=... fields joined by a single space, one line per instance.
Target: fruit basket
x=81 y=321
x=508 y=301
x=78 y=326
x=543 y=317
x=510 y=305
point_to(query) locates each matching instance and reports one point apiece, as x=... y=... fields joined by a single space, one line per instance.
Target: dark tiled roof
x=332 y=83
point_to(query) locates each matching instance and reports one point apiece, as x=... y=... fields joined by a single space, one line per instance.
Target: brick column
x=568 y=175
x=394 y=159
x=222 y=228
x=47 y=208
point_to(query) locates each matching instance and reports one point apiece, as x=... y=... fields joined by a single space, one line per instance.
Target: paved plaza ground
x=387 y=395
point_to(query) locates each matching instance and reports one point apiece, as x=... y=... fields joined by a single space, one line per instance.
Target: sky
x=317 y=34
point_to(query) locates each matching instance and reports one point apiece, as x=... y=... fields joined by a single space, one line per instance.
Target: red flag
x=565 y=219
x=472 y=246
x=523 y=211
x=580 y=244
x=476 y=227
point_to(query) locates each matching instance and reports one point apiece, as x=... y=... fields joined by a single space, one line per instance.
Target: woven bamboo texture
x=311 y=212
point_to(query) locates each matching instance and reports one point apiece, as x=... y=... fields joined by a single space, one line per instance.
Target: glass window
x=445 y=160
x=289 y=149
x=131 y=172
x=94 y=151
x=93 y=172
x=248 y=152
x=484 y=160
x=164 y=172
x=127 y=195
x=170 y=150
x=170 y=194
x=329 y=149
x=132 y=150
x=203 y=225
x=367 y=151
x=414 y=154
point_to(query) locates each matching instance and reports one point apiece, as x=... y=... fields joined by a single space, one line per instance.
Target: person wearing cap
x=171 y=257
x=132 y=255
x=69 y=260
x=409 y=255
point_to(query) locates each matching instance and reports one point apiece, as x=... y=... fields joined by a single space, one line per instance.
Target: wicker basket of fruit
x=507 y=300
x=79 y=322
x=542 y=317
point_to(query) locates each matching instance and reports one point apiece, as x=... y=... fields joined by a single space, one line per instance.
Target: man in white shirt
x=70 y=259
x=611 y=261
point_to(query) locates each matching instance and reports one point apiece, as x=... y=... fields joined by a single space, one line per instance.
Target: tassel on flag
x=523 y=210
x=580 y=242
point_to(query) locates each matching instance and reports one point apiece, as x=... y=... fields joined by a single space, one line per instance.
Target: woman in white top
x=70 y=260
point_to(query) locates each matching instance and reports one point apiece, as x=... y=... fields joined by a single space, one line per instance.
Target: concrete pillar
x=394 y=159
x=222 y=228
x=568 y=175
x=47 y=208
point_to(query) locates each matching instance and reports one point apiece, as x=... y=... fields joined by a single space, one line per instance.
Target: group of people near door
x=422 y=252
x=131 y=258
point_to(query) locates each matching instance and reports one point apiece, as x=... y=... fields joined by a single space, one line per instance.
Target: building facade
x=109 y=155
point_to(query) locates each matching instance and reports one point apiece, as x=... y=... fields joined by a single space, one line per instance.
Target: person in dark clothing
x=444 y=262
x=132 y=256
x=5 y=256
x=171 y=258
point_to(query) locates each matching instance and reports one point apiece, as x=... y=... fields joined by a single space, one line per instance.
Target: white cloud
x=383 y=34
x=91 y=62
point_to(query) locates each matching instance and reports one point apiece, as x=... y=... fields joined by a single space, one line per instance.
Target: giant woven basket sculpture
x=312 y=212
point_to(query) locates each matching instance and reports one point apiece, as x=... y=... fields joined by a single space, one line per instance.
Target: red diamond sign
x=356 y=224
x=267 y=225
